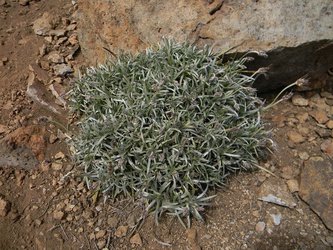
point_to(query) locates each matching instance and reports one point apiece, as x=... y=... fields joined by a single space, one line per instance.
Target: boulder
x=316 y=188
x=25 y=144
x=297 y=36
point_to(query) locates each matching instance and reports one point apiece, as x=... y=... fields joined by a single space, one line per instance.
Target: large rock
x=25 y=144
x=298 y=36
x=316 y=188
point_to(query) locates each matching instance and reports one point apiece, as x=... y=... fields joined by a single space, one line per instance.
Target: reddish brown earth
x=40 y=208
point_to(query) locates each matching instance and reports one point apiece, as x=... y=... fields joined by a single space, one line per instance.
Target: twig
x=96 y=244
x=47 y=208
x=108 y=242
x=63 y=230
x=163 y=243
x=112 y=53
x=87 y=241
x=330 y=71
x=52 y=228
x=137 y=227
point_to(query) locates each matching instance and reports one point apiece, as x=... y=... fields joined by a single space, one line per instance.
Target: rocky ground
x=41 y=207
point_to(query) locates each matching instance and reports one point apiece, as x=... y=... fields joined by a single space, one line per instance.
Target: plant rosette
x=167 y=125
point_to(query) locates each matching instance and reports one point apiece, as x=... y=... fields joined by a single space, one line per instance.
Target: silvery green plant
x=167 y=126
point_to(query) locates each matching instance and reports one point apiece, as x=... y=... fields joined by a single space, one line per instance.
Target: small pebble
x=327 y=146
x=302 y=117
x=56 y=166
x=58 y=215
x=101 y=244
x=295 y=137
x=260 y=227
x=329 y=124
x=121 y=231
x=292 y=185
x=304 y=156
x=59 y=155
x=319 y=116
x=136 y=240
x=100 y=234
x=298 y=100
x=53 y=138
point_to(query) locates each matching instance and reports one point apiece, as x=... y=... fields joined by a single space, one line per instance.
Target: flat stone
x=322 y=132
x=121 y=231
x=112 y=221
x=25 y=40
x=71 y=27
x=302 y=117
x=55 y=57
x=303 y=155
x=39 y=94
x=59 y=155
x=329 y=124
x=287 y=172
x=304 y=131
x=62 y=69
x=260 y=227
x=56 y=166
x=316 y=188
x=100 y=234
x=326 y=94
x=293 y=185
x=57 y=33
x=58 y=215
x=136 y=240
x=48 y=39
x=42 y=50
x=329 y=102
x=131 y=222
x=92 y=236
x=58 y=91
x=5 y=206
x=61 y=40
x=3 y=129
x=295 y=137
x=45 y=65
x=101 y=244
x=24 y=143
x=24 y=2
x=327 y=147
x=275 y=191
x=298 y=100
x=53 y=138
x=45 y=166
x=14 y=158
x=276 y=217
x=280 y=120
x=40 y=74
x=73 y=40
x=44 y=24
x=322 y=105
x=319 y=116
